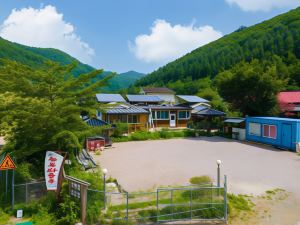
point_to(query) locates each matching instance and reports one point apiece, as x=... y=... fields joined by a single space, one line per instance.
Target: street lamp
x=104 y=171
x=218 y=163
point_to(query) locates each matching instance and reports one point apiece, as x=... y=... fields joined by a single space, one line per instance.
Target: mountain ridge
x=36 y=57
x=255 y=42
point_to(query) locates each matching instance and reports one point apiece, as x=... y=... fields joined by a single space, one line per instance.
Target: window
x=162 y=115
x=270 y=131
x=133 y=118
x=153 y=115
x=255 y=129
x=119 y=118
x=184 y=114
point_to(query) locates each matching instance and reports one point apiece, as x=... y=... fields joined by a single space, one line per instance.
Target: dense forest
x=36 y=58
x=269 y=54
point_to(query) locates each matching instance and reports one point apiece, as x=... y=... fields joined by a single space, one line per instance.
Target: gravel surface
x=250 y=168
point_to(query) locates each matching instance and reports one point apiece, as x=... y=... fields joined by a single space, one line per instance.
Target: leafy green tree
x=38 y=106
x=251 y=88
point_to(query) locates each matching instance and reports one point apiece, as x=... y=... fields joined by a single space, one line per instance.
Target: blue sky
x=116 y=34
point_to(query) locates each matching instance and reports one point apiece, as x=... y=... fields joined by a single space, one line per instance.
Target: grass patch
x=238 y=204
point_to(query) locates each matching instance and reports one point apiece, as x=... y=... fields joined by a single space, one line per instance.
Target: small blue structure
x=279 y=132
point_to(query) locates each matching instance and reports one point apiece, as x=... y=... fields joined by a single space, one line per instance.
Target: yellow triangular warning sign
x=7 y=164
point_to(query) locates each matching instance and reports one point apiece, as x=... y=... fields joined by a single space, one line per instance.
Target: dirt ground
x=251 y=169
x=278 y=208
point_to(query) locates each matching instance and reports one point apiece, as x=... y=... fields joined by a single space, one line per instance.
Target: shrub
x=164 y=133
x=48 y=202
x=120 y=139
x=94 y=178
x=68 y=211
x=200 y=180
x=121 y=128
x=43 y=217
x=189 y=133
x=140 y=136
x=4 y=218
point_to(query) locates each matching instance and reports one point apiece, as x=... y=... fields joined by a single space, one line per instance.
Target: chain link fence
x=25 y=193
x=203 y=202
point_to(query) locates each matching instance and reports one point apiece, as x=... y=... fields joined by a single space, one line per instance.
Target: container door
x=286 y=136
x=172 y=120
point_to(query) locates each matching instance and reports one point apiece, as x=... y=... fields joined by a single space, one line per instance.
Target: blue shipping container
x=279 y=132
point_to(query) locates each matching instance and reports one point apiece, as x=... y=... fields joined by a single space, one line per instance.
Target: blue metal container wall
x=282 y=136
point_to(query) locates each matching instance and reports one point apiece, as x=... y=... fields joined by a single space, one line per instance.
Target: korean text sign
x=53 y=163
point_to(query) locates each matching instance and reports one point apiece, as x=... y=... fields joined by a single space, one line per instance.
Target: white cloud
x=166 y=42
x=263 y=5
x=45 y=27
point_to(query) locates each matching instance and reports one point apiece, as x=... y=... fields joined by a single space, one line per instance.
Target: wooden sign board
x=7 y=164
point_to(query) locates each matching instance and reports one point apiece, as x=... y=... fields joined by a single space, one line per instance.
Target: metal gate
x=205 y=202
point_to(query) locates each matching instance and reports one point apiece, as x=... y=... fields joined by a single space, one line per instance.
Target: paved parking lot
x=250 y=168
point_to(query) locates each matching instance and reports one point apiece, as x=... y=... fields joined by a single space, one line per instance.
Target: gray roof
x=210 y=112
x=126 y=109
x=143 y=98
x=234 y=120
x=192 y=98
x=167 y=107
x=105 y=98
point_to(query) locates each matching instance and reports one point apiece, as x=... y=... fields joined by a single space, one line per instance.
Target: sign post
x=8 y=164
x=53 y=163
x=78 y=189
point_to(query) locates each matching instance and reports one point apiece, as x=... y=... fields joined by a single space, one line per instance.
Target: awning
x=234 y=120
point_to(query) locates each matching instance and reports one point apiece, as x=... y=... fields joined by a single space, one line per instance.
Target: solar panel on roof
x=192 y=98
x=110 y=98
x=143 y=98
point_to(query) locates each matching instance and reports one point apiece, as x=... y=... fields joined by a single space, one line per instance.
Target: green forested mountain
x=122 y=81
x=35 y=58
x=278 y=36
x=274 y=44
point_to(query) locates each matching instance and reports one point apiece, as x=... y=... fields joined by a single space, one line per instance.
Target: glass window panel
x=266 y=130
x=273 y=132
x=255 y=129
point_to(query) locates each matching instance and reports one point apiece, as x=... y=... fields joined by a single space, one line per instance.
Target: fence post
x=13 y=189
x=127 y=197
x=26 y=193
x=157 y=210
x=6 y=184
x=225 y=198
x=211 y=194
x=172 y=204
x=191 y=212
